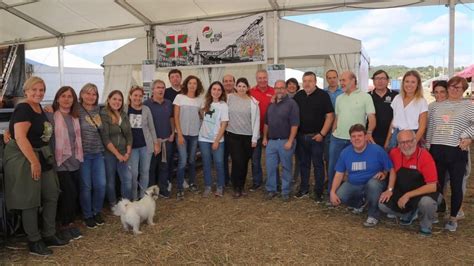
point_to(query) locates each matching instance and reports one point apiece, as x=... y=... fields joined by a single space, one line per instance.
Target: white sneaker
x=451 y=226
x=460 y=215
x=185 y=184
x=358 y=210
x=371 y=222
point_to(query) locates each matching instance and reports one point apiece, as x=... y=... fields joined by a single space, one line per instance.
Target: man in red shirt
x=412 y=192
x=263 y=93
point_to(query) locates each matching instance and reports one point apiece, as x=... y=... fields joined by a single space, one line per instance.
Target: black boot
x=39 y=248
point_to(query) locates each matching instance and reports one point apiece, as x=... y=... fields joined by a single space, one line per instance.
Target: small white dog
x=132 y=214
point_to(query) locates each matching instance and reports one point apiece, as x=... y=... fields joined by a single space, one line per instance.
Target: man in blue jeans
x=279 y=132
x=352 y=107
x=316 y=117
x=367 y=165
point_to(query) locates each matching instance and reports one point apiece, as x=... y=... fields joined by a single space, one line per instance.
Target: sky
x=410 y=36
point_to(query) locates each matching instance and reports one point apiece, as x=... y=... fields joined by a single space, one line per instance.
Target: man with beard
x=412 y=192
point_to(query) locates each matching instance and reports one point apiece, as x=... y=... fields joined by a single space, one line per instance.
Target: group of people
x=73 y=151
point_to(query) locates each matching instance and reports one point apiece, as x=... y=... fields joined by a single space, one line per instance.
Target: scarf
x=62 y=148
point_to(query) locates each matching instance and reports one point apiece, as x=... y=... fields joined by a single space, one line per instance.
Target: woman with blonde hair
x=410 y=110
x=31 y=182
x=144 y=143
x=117 y=137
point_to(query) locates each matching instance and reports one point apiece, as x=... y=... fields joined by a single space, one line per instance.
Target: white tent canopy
x=299 y=46
x=42 y=23
x=48 y=23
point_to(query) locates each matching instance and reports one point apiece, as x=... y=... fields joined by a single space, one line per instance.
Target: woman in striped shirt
x=449 y=136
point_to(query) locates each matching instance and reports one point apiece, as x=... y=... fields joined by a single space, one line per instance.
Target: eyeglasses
x=456 y=87
x=406 y=142
x=380 y=78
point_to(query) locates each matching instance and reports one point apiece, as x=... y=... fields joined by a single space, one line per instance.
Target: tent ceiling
x=39 y=23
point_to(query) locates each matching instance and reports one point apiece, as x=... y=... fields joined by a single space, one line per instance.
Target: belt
x=278 y=138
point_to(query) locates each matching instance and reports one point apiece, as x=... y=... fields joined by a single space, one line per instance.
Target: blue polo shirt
x=361 y=167
x=333 y=95
x=280 y=117
x=161 y=117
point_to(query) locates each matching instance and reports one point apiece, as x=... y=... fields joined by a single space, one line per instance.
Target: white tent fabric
x=41 y=23
x=317 y=49
x=121 y=78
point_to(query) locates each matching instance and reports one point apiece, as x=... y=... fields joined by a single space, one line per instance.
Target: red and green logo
x=207 y=32
x=176 y=45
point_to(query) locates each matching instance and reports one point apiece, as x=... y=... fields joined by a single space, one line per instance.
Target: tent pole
x=451 y=37
x=150 y=35
x=275 y=37
x=61 y=60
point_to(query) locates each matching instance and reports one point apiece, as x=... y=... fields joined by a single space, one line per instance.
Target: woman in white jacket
x=242 y=133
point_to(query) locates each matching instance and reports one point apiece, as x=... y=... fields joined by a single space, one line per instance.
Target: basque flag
x=176 y=45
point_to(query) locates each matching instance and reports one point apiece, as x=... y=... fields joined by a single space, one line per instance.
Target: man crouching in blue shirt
x=367 y=166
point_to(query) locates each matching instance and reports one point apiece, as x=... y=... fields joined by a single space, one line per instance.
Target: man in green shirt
x=352 y=107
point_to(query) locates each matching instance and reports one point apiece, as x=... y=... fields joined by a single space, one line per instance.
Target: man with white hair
x=412 y=192
x=279 y=132
x=263 y=93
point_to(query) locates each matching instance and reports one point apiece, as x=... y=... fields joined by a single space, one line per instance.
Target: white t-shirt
x=189 y=114
x=218 y=112
x=407 y=117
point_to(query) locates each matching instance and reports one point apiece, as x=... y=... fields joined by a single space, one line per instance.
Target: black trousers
x=453 y=160
x=240 y=149
x=68 y=201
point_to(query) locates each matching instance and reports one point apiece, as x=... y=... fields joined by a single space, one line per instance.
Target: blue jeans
x=139 y=163
x=336 y=146
x=257 y=173
x=92 y=184
x=275 y=153
x=208 y=155
x=187 y=153
x=310 y=151
x=226 y=161
x=113 y=167
x=355 y=195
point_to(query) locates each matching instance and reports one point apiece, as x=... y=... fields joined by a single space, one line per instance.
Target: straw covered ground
x=253 y=231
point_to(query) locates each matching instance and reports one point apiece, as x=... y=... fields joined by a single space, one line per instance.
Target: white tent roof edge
x=50 y=31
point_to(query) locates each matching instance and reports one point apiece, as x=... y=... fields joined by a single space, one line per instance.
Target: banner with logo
x=212 y=43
